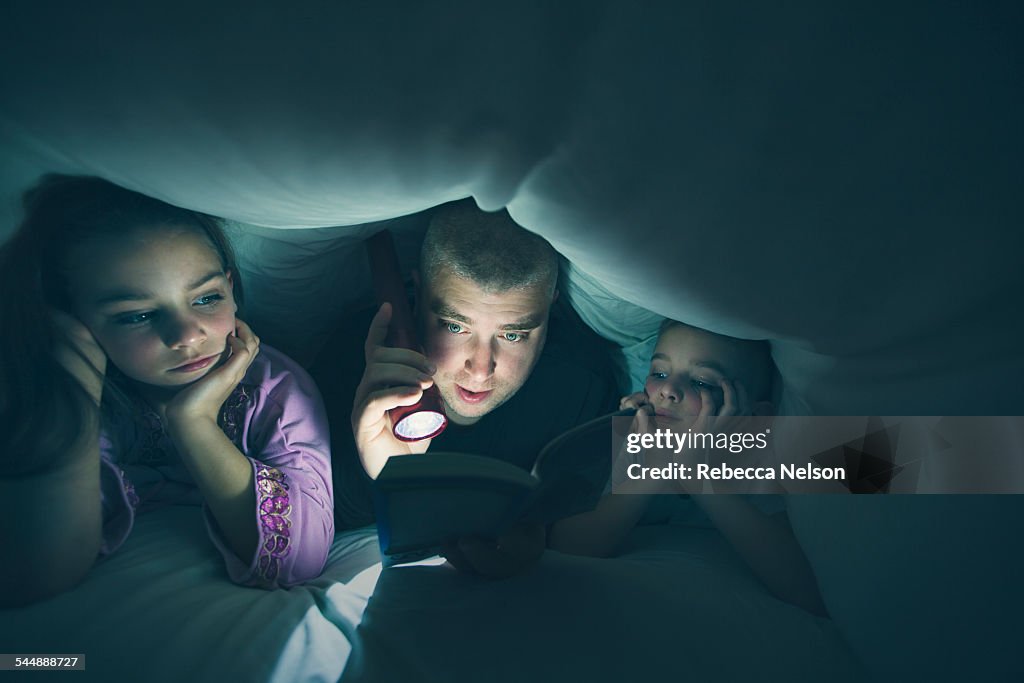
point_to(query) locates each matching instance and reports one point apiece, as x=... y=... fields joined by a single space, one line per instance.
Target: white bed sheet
x=676 y=605
x=676 y=602
x=162 y=609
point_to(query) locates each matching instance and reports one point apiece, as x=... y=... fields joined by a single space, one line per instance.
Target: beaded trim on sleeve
x=129 y=491
x=275 y=512
x=232 y=413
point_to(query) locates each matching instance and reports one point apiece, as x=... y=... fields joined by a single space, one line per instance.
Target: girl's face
x=688 y=359
x=158 y=302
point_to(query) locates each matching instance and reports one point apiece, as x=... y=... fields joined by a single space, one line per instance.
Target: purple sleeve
x=286 y=438
x=118 y=499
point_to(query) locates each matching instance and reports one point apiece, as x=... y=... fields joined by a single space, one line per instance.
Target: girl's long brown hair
x=43 y=409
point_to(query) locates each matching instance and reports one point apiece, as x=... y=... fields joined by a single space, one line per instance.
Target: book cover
x=425 y=500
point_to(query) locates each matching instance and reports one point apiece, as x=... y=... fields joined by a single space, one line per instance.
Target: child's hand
x=638 y=401
x=393 y=377
x=731 y=416
x=77 y=350
x=512 y=553
x=712 y=417
x=204 y=397
x=734 y=403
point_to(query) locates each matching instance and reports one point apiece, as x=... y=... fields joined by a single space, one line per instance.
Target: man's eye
x=514 y=337
x=134 y=318
x=208 y=299
x=454 y=328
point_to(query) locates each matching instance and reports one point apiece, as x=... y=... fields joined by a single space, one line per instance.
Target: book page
x=573 y=471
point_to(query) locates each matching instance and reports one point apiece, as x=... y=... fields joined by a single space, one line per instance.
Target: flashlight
x=425 y=419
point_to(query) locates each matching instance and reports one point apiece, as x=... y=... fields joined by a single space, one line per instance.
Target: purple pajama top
x=276 y=418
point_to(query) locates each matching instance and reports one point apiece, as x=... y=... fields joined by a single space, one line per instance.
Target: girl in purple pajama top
x=137 y=386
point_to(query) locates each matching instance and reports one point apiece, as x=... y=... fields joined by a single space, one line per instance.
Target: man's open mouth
x=472 y=396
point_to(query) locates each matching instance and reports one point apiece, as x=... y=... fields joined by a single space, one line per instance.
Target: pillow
x=299 y=283
x=632 y=327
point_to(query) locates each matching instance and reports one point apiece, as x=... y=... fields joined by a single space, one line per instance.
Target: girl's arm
x=270 y=511
x=289 y=445
x=53 y=530
x=768 y=546
x=599 y=533
x=224 y=476
x=766 y=543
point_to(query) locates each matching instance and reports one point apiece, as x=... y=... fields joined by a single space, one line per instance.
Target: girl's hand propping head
x=160 y=303
x=204 y=397
x=78 y=352
x=638 y=401
x=141 y=286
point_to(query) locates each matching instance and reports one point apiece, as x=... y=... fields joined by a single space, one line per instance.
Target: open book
x=424 y=500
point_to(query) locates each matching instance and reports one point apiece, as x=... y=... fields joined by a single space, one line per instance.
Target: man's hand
x=77 y=350
x=204 y=397
x=512 y=553
x=393 y=377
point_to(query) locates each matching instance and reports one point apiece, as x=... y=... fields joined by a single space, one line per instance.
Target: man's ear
x=554 y=297
x=763 y=408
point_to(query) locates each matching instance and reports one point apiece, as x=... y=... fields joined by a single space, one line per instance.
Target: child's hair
x=41 y=404
x=765 y=375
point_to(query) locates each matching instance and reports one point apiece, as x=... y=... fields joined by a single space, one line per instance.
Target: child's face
x=687 y=359
x=158 y=302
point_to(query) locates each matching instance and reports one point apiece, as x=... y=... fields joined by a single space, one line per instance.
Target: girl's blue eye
x=134 y=318
x=454 y=328
x=659 y=375
x=702 y=385
x=208 y=299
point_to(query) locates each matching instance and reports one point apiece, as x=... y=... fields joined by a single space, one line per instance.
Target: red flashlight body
x=426 y=418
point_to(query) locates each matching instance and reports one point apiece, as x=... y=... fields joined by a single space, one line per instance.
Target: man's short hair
x=488 y=248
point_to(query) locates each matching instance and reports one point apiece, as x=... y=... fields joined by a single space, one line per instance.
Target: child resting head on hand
x=691 y=365
x=696 y=378
x=120 y=310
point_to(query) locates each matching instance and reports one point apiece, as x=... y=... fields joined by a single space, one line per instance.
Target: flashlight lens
x=419 y=425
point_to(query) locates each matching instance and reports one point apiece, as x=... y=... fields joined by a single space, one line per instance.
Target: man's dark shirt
x=570 y=384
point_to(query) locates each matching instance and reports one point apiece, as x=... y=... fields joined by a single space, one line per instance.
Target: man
x=510 y=381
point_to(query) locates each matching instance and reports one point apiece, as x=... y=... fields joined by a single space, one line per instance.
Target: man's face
x=484 y=344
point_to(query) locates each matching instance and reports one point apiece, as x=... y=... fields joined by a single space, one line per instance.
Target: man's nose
x=480 y=362
x=183 y=330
